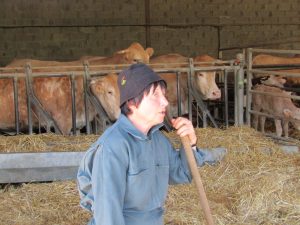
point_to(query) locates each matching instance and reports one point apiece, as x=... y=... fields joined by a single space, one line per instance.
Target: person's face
x=152 y=108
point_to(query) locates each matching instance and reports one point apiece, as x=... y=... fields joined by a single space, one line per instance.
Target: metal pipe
x=28 y=91
x=275 y=95
x=272 y=116
x=240 y=90
x=16 y=103
x=235 y=97
x=249 y=87
x=191 y=74
x=226 y=97
x=274 y=51
x=73 y=95
x=270 y=72
x=86 y=104
x=178 y=93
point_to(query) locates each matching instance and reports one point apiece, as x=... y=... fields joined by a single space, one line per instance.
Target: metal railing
x=88 y=72
x=269 y=69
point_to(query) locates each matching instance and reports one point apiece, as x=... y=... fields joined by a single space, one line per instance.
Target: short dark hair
x=138 y=99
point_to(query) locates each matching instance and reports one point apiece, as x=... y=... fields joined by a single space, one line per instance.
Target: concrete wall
x=68 y=29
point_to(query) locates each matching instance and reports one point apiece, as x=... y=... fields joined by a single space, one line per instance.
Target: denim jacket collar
x=132 y=130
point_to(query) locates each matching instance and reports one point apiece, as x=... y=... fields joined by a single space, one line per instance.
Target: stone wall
x=68 y=29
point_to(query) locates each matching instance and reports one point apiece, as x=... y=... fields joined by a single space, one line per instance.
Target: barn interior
x=66 y=30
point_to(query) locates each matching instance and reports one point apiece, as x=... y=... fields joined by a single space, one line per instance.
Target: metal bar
x=178 y=93
x=249 y=87
x=277 y=66
x=33 y=100
x=28 y=91
x=226 y=97
x=240 y=90
x=235 y=97
x=86 y=104
x=39 y=119
x=73 y=95
x=190 y=74
x=272 y=116
x=268 y=72
x=16 y=103
x=197 y=97
x=274 y=51
x=275 y=95
x=204 y=119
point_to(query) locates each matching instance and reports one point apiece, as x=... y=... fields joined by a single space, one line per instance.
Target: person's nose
x=164 y=101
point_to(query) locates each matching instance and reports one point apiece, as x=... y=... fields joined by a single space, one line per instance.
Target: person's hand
x=185 y=127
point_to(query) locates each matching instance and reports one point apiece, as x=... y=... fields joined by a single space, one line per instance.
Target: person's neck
x=139 y=124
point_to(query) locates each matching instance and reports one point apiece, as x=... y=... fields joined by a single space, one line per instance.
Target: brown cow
x=54 y=93
x=204 y=82
x=264 y=59
x=277 y=106
x=108 y=92
x=133 y=54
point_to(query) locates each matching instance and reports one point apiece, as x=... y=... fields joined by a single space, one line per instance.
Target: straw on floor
x=256 y=183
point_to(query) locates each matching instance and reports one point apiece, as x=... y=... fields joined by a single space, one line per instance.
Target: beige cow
x=277 y=106
x=108 y=91
x=54 y=93
x=263 y=59
x=204 y=82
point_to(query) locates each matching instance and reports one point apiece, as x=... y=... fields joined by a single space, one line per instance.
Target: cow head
x=293 y=114
x=107 y=92
x=135 y=53
x=205 y=80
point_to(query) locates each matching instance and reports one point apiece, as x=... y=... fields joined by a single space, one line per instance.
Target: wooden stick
x=197 y=179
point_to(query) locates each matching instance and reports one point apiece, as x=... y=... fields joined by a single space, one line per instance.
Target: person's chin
x=162 y=117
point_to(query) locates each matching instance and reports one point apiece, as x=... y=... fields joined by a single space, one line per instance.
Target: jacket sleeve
x=108 y=186
x=179 y=168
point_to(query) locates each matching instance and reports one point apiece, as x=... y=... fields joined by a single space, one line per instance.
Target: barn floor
x=256 y=183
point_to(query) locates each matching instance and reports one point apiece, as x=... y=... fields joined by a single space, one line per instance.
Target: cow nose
x=216 y=93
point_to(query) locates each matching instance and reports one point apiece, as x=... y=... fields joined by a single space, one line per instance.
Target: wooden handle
x=197 y=179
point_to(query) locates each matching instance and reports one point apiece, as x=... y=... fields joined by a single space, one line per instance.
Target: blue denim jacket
x=123 y=178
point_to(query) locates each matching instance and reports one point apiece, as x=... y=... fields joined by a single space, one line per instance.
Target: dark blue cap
x=134 y=80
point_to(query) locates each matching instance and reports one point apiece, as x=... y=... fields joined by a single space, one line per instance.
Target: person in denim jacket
x=123 y=178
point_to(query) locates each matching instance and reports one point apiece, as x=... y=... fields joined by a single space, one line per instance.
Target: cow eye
x=110 y=92
x=200 y=74
x=136 y=60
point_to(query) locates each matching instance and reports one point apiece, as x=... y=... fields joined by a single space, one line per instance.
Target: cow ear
x=219 y=62
x=287 y=113
x=122 y=51
x=149 y=51
x=126 y=52
x=98 y=81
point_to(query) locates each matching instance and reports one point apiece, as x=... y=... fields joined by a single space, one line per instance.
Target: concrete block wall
x=66 y=43
x=68 y=29
x=189 y=41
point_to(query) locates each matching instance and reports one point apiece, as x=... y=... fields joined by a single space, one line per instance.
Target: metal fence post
x=249 y=86
x=240 y=89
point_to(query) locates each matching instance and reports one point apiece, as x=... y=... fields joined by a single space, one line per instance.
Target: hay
x=46 y=143
x=256 y=183
x=43 y=204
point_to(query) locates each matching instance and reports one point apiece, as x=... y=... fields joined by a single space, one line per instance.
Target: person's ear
x=131 y=106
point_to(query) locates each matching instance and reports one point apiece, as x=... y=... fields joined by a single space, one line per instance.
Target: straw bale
x=256 y=183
